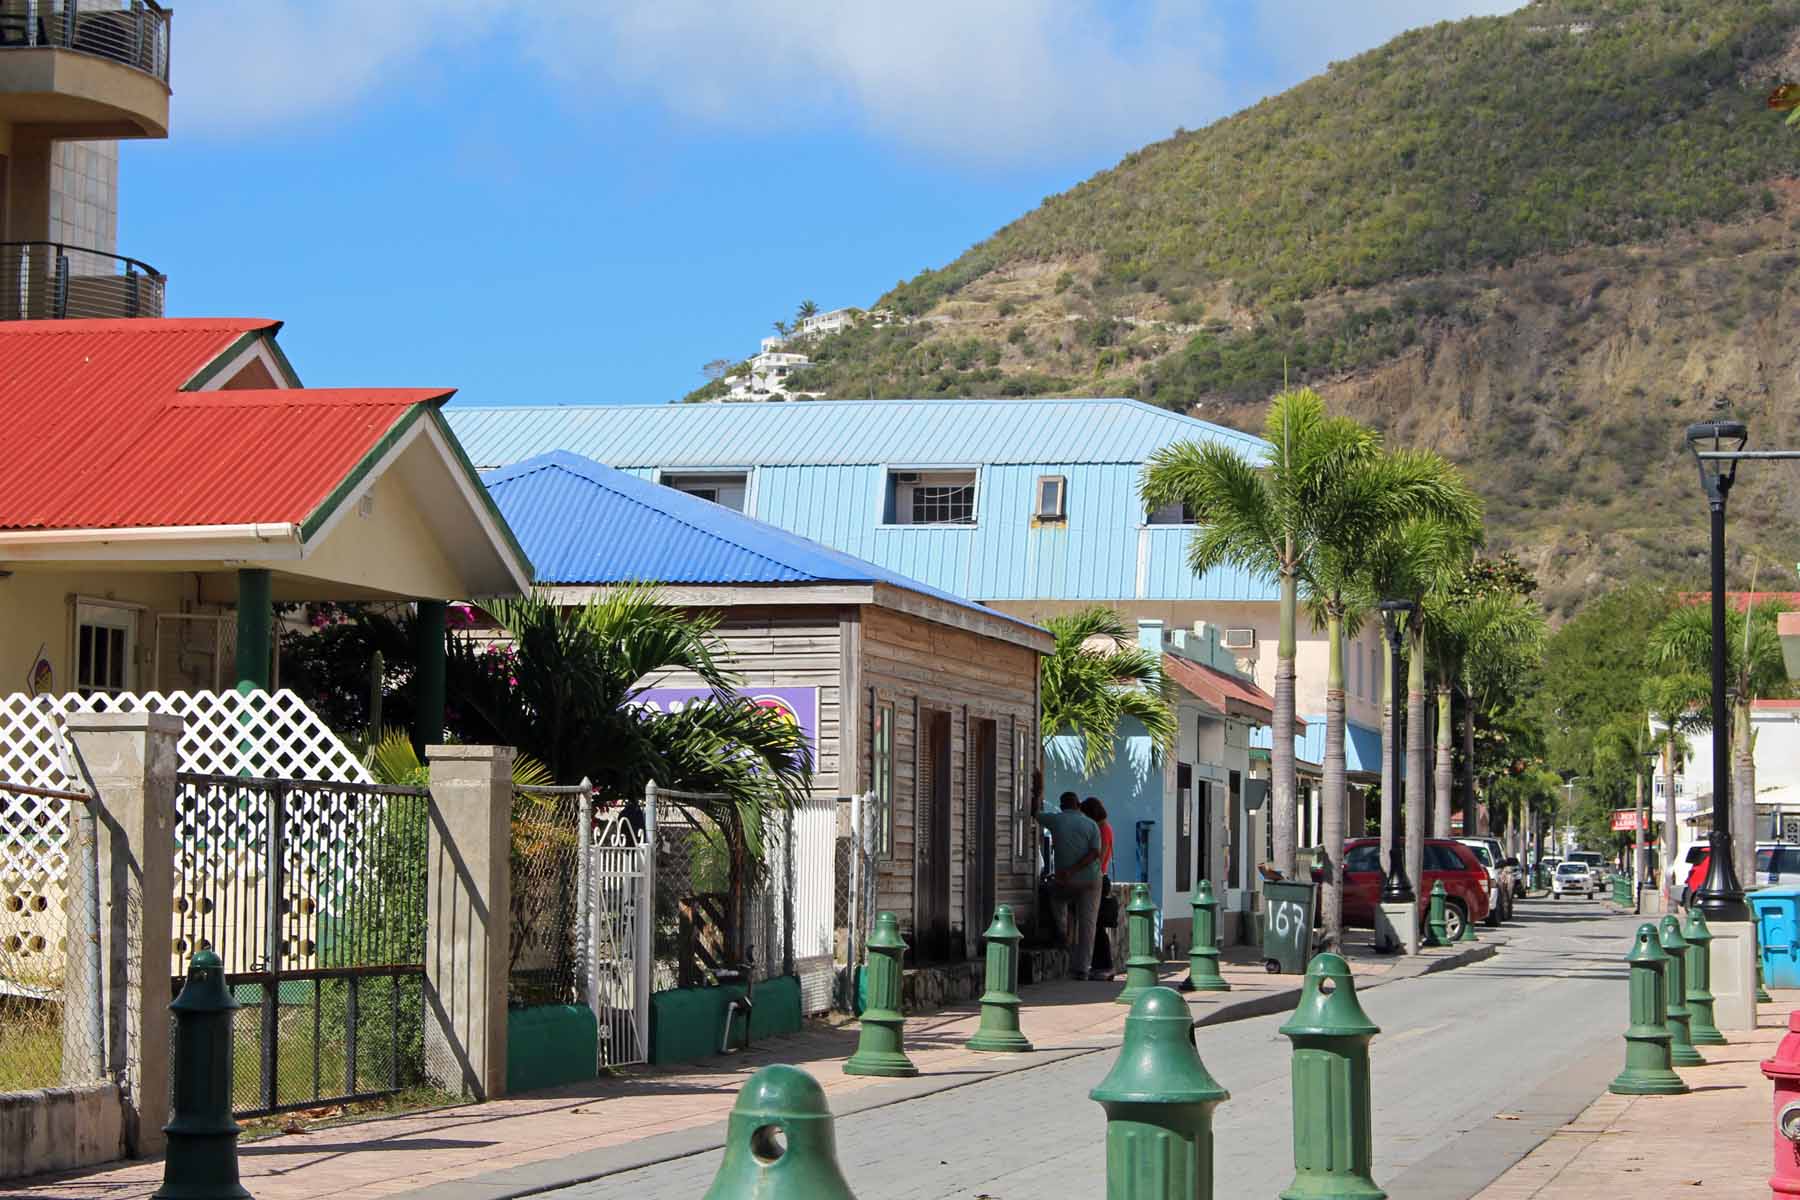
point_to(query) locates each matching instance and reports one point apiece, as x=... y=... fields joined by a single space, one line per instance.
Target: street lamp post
x=1398 y=888
x=1721 y=897
x=1641 y=861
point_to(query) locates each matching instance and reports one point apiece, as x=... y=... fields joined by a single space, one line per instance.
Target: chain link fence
x=50 y=1030
x=551 y=826
x=854 y=880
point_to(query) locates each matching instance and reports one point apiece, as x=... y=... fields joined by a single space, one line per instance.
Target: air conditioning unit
x=906 y=477
x=1239 y=639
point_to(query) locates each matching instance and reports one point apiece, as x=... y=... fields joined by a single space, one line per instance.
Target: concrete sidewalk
x=1714 y=1141
x=522 y=1144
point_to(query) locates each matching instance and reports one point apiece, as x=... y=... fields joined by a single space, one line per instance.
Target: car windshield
x=1572 y=868
x=1481 y=853
x=1588 y=857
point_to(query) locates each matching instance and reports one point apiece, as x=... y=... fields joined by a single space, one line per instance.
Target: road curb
x=534 y=1179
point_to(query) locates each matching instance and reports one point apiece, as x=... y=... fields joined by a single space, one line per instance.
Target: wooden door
x=932 y=882
x=980 y=889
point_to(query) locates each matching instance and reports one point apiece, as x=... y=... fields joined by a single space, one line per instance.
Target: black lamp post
x=1398 y=888
x=1721 y=897
x=1641 y=862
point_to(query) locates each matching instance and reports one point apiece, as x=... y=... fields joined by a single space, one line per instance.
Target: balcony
x=89 y=68
x=47 y=281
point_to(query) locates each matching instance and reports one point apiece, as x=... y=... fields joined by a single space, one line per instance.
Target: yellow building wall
x=37 y=608
x=391 y=544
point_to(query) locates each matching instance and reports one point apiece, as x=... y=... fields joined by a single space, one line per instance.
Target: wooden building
x=926 y=701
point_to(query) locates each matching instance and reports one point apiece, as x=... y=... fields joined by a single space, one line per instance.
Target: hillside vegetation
x=1540 y=243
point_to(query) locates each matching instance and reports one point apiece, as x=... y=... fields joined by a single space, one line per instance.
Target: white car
x=1573 y=878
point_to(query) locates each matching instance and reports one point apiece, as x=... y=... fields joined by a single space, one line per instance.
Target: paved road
x=1531 y=1034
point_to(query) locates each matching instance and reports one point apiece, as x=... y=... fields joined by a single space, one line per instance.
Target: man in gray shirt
x=1076 y=844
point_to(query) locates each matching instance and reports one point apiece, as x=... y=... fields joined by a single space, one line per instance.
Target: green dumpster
x=1288 y=915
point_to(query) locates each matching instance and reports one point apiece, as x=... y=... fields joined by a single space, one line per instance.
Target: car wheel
x=1454 y=920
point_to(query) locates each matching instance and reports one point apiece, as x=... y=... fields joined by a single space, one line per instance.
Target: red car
x=1465 y=883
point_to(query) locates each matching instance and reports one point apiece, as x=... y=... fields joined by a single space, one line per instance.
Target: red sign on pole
x=1625 y=820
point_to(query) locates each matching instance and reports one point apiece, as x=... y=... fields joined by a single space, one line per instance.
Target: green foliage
x=1095 y=678
x=1476 y=143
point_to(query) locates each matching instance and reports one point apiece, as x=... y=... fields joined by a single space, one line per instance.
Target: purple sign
x=798 y=704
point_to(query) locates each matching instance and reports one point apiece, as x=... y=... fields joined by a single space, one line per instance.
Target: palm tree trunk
x=1331 y=804
x=1743 y=796
x=1284 y=830
x=1670 y=828
x=1416 y=764
x=1446 y=761
x=1475 y=822
x=1390 y=810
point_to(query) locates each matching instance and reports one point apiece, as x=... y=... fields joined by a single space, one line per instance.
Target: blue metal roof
x=914 y=433
x=821 y=470
x=1362 y=745
x=585 y=523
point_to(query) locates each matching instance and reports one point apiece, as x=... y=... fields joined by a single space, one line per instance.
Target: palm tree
x=1095 y=678
x=807 y=309
x=1368 y=497
x=1678 y=703
x=1414 y=561
x=1267 y=515
x=1754 y=670
x=1485 y=637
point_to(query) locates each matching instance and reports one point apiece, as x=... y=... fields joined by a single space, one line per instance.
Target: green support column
x=255 y=626
x=1675 y=1011
x=1648 y=1071
x=1159 y=1100
x=880 y=1048
x=780 y=1143
x=1702 y=1026
x=1762 y=993
x=1334 y=1123
x=1436 y=933
x=999 y=1029
x=1141 y=960
x=428 y=632
x=201 y=1161
x=1203 y=956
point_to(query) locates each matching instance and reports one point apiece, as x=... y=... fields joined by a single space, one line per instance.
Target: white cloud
x=993 y=82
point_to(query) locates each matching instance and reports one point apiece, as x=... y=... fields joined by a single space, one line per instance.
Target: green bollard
x=201 y=1162
x=779 y=1142
x=1702 y=1025
x=1762 y=993
x=1141 y=961
x=1681 y=1038
x=1435 y=932
x=1334 y=1123
x=1648 y=1071
x=999 y=1029
x=1159 y=1101
x=880 y=1049
x=1203 y=955
x=1468 y=929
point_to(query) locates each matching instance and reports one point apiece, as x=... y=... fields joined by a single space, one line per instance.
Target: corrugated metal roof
x=1225 y=692
x=105 y=438
x=584 y=523
x=835 y=433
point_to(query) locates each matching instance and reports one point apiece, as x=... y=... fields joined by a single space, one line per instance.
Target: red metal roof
x=101 y=436
x=1223 y=690
x=1743 y=600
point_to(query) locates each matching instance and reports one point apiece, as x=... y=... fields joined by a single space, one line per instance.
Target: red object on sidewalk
x=1784 y=1069
x=1697 y=876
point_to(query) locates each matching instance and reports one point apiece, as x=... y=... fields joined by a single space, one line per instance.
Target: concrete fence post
x=468 y=912
x=131 y=760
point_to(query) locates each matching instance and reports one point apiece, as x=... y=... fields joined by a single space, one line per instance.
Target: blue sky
x=562 y=201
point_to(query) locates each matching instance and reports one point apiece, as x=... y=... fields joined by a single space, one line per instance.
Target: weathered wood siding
x=920 y=666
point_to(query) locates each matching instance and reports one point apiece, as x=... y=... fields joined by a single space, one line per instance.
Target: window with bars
x=931 y=498
x=105 y=647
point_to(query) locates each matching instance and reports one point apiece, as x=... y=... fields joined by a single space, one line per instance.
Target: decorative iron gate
x=313 y=893
x=621 y=908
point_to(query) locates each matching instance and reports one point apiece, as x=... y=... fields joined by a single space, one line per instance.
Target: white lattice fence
x=270 y=735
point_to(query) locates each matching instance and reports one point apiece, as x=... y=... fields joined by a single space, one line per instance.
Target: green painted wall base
x=685 y=1023
x=549 y=1046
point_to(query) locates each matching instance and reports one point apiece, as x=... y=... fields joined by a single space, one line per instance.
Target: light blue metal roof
x=1362 y=745
x=914 y=433
x=821 y=470
x=585 y=523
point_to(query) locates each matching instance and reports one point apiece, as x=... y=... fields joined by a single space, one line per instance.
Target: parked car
x=1465 y=883
x=1574 y=878
x=1500 y=894
x=1776 y=862
x=1596 y=865
x=1682 y=872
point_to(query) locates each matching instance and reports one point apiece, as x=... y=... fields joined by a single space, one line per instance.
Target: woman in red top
x=1093 y=810
x=1096 y=812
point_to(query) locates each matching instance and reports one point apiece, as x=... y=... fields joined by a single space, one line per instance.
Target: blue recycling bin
x=1778 y=934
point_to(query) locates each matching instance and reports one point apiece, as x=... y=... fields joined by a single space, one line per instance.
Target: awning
x=1226 y=692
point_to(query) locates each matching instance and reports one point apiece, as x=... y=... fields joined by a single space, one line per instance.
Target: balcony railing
x=133 y=32
x=48 y=281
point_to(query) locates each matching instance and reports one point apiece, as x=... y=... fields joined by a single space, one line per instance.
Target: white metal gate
x=621 y=919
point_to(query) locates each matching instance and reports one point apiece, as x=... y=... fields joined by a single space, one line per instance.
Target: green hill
x=1539 y=242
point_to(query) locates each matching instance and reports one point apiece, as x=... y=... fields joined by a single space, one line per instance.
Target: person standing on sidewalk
x=1108 y=919
x=1075 y=840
